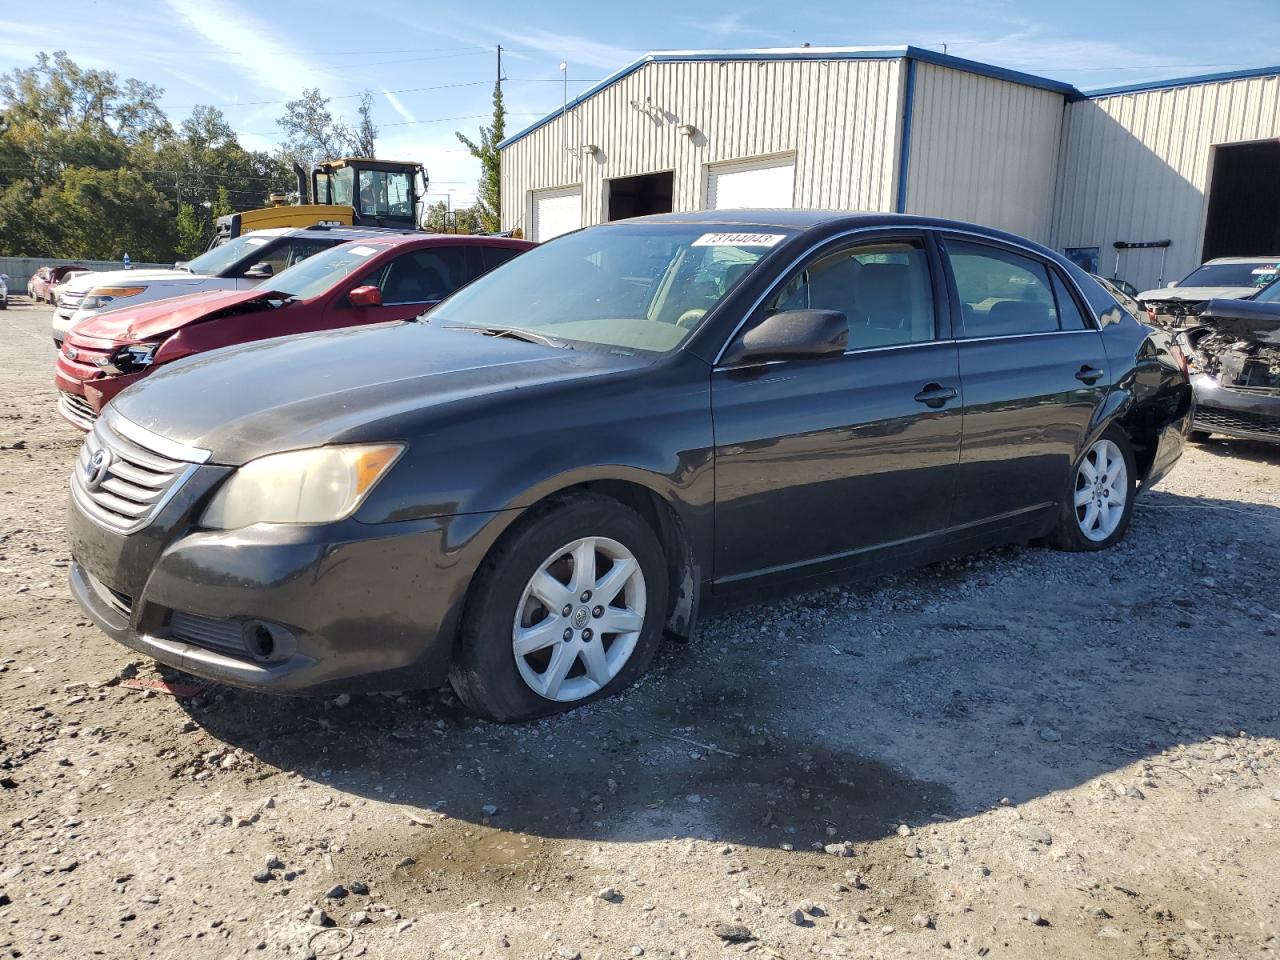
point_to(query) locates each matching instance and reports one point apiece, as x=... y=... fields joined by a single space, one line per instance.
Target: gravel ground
x=1022 y=753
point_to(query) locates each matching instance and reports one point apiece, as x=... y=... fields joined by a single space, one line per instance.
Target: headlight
x=128 y=359
x=99 y=297
x=320 y=485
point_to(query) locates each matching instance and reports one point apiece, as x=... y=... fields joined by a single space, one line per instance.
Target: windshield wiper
x=515 y=333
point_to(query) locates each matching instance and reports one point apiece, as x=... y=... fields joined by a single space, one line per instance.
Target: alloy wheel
x=1102 y=487
x=579 y=619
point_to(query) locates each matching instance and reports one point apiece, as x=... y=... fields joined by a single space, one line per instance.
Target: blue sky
x=431 y=65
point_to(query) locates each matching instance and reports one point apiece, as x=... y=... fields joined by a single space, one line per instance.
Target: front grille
x=122 y=481
x=221 y=636
x=76 y=409
x=1237 y=421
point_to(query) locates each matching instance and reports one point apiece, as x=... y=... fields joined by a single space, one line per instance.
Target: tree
x=489 y=203
x=102 y=215
x=313 y=134
x=192 y=232
x=440 y=219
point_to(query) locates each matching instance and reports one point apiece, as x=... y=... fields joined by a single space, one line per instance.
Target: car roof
x=1242 y=260
x=437 y=239
x=832 y=221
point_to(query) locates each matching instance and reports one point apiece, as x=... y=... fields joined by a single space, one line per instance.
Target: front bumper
x=370 y=606
x=1235 y=413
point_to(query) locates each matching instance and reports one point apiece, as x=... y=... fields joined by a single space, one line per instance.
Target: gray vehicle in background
x=1227 y=278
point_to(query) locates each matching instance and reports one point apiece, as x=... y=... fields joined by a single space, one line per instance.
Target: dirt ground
x=1019 y=754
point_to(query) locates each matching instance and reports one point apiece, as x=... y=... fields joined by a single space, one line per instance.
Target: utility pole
x=499 y=66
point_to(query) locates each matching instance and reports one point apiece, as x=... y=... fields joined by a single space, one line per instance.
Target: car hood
x=1245 y=320
x=1194 y=294
x=120 y=278
x=150 y=321
x=354 y=384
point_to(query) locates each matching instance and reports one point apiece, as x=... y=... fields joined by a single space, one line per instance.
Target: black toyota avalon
x=630 y=425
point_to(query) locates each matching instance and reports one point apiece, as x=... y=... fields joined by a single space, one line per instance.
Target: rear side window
x=1068 y=309
x=491 y=257
x=1001 y=293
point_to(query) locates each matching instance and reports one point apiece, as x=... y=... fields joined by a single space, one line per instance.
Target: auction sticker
x=739 y=239
x=362 y=251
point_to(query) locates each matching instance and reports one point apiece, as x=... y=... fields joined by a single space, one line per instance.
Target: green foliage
x=104 y=214
x=489 y=202
x=192 y=235
x=440 y=219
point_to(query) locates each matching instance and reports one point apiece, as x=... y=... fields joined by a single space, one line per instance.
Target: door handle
x=1090 y=375
x=934 y=395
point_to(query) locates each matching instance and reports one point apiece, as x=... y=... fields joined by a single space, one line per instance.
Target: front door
x=1034 y=373
x=819 y=462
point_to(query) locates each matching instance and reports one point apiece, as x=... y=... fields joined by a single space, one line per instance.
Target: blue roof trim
x=1183 y=82
x=805 y=53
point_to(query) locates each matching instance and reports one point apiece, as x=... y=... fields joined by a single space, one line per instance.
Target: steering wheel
x=690 y=317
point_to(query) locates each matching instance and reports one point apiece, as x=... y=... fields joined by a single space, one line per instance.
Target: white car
x=4 y=291
x=1226 y=278
x=235 y=265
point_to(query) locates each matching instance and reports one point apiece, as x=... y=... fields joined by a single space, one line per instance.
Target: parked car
x=240 y=264
x=1234 y=359
x=379 y=278
x=67 y=277
x=4 y=291
x=1225 y=277
x=40 y=286
x=620 y=428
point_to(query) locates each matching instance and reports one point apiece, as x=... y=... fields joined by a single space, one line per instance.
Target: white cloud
x=399 y=107
x=252 y=46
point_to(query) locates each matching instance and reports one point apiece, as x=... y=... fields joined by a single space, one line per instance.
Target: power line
x=340 y=96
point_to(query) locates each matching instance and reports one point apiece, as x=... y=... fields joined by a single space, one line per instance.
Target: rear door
x=821 y=462
x=1034 y=373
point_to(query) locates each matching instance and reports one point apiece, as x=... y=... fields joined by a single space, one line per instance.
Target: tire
x=1082 y=527
x=487 y=674
x=1199 y=436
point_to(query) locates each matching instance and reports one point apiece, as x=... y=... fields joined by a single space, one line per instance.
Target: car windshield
x=227 y=255
x=316 y=274
x=636 y=286
x=1255 y=273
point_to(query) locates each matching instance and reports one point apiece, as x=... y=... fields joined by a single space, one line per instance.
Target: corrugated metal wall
x=20 y=269
x=1135 y=167
x=839 y=118
x=983 y=150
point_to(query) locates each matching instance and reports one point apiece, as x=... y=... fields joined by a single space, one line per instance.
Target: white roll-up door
x=555 y=212
x=765 y=182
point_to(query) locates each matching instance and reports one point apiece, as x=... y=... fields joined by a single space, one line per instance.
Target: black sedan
x=629 y=425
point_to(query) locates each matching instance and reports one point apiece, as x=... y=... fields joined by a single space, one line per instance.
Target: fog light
x=268 y=642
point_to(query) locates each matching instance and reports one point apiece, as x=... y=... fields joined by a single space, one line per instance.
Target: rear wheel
x=1098 y=505
x=567 y=608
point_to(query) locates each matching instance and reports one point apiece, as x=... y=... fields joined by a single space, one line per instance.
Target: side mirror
x=260 y=271
x=793 y=335
x=1172 y=283
x=366 y=296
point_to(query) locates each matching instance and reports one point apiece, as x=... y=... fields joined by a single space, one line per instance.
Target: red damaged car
x=383 y=277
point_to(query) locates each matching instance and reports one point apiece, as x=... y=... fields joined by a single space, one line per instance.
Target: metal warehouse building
x=1195 y=162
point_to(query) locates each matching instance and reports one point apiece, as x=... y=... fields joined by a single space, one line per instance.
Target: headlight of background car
x=320 y=485
x=99 y=297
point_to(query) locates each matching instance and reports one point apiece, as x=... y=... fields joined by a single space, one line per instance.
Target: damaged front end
x=1234 y=360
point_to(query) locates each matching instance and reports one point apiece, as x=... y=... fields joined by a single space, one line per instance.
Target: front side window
x=883 y=289
x=1001 y=293
x=628 y=285
x=342 y=184
x=284 y=255
x=232 y=257
x=423 y=276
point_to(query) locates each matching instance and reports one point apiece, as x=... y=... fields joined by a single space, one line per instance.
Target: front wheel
x=1199 y=436
x=1099 y=498
x=568 y=608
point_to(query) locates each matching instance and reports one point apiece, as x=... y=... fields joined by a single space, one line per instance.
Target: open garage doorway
x=640 y=196
x=1244 y=201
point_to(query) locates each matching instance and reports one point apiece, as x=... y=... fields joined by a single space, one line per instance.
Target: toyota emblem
x=95 y=471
